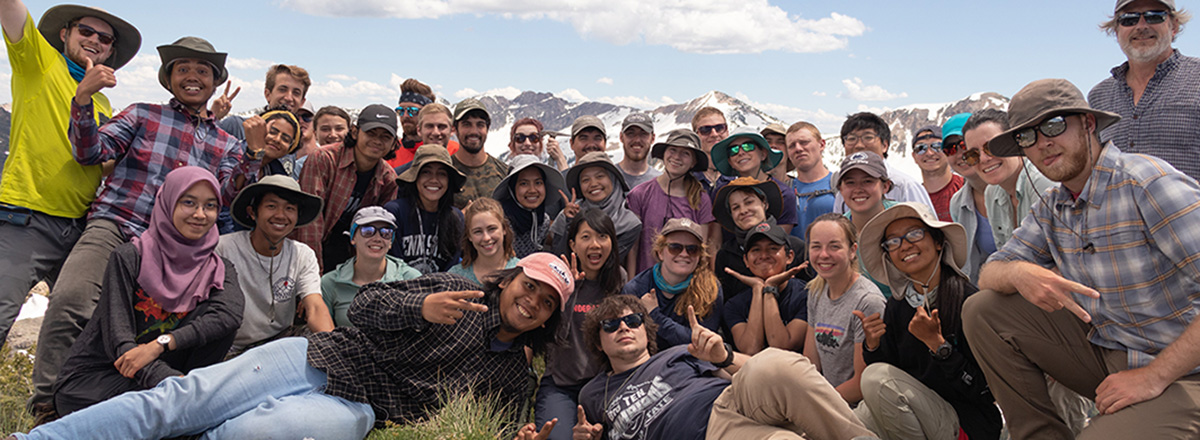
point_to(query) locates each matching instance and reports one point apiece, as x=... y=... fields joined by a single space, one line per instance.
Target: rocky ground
x=24 y=332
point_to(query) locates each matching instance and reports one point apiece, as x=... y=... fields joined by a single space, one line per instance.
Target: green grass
x=465 y=417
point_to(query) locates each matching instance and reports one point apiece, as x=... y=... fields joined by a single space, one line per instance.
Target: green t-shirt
x=41 y=173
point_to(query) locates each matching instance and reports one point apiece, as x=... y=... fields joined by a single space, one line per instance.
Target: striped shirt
x=1166 y=120
x=1143 y=219
x=148 y=141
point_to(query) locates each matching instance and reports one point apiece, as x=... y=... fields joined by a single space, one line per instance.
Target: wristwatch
x=165 y=341
x=256 y=155
x=943 y=351
x=774 y=291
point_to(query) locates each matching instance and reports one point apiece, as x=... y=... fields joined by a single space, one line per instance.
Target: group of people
x=301 y=273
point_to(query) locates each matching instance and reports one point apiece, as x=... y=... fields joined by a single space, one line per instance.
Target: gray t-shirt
x=295 y=275
x=837 y=330
x=634 y=181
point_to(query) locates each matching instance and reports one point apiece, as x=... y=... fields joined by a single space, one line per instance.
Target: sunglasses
x=532 y=138
x=86 y=31
x=675 y=248
x=306 y=117
x=971 y=157
x=952 y=149
x=632 y=320
x=1052 y=127
x=921 y=149
x=912 y=236
x=369 y=231
x=747 y=147
x=1152 y=17
x=708 y=129
x=410 y=111
x=851 y=140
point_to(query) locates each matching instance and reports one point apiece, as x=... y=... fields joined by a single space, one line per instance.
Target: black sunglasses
x=632 y=320
x=410 y=111
x=676 y=248
x=1027 y=137
x=369 y=231
x=1152 y=17
x=532 y=138
x=107 y=39
x=306 y=117
x=912 y=236
x=708 y=129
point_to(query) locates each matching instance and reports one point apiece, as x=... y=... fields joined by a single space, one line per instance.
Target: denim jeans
x=559 y=402
x=268 y=392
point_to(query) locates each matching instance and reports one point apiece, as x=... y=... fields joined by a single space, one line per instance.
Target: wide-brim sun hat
x=720 y=153
x=433 y=153
x=765 y=187
x=129 y=40
x=1038 y=101
x=593 y=159
x=309 y=209
x=682 y=138
x=551 y=178
x=191 y=47
x=875 y=259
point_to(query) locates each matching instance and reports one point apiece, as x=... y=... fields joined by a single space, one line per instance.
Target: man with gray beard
x=1157 y=90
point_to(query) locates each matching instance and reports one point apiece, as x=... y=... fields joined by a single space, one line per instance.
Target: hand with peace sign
x=530 y=432
x=97 y=76
x=706 y=344
x=584 y=430
x=222 y=105
x=572 y=208
x=574 y=263
x=873 y=327
x=448 y=307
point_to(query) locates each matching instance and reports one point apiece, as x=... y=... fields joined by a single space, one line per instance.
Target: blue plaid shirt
x=1165 y=122
x=1143 y=217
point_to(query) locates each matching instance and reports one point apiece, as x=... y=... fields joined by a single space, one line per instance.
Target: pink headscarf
x=178 y=273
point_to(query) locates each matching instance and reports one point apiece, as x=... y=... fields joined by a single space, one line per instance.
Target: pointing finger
x=692 y=317
x=861 y=316
x=582 y=417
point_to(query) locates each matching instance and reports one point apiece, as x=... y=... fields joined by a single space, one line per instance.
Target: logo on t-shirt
x=636 y=406
x=283 y=289
x=829 y=335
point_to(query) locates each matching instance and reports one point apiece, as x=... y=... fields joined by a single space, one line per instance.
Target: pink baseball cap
x=550 y=269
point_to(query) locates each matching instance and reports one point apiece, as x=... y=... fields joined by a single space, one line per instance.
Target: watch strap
x=728 y=359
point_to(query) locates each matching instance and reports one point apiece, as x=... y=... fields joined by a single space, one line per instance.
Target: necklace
x=608 y=402
x=270 y=273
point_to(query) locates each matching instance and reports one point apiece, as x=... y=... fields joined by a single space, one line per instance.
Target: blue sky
x=815 y=61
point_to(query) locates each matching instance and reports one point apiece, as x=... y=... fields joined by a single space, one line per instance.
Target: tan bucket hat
x=310 y=205
x=876 y=261
x=429 y=153
x=129 y=40
x=1038 y=101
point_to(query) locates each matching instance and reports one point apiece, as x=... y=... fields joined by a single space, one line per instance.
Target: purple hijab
x=178 y=273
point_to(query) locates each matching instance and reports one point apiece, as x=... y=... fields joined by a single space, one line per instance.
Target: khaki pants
x=898 y=406
x=1016 y=343
x=780 y=395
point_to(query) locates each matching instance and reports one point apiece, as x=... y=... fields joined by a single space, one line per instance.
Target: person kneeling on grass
x=701 y=390
x=413 y=342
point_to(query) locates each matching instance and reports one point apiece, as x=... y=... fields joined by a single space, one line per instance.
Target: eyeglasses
x=105 y=38
x=971 y=157
x=1052 y=127
x=410 y=111
x=675 y=248
x=747 y=147
x=531 y=138
x=708 y=129
x=852 y=139
x=952 y=149
x=632 y=320
x=920 y=149
x=369 y=231
x=912 y=236
x=1152 y=17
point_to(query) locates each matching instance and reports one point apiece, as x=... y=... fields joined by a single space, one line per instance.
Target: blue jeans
x=268 y=392
x=557 y=402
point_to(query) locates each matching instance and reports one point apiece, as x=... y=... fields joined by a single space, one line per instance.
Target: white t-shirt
x=295 y=275
x=905 y=188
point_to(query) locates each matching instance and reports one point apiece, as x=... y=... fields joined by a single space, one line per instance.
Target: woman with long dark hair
x=592 y=238
x=428 y=226
x=917 y=348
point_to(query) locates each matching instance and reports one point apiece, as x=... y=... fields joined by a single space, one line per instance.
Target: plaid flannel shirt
x=404 y=366
x=330 y=173
x=148 y=141
x=1143 y=219
x=1165 y=123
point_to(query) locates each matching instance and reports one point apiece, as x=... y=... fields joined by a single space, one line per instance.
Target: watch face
x=164 y=339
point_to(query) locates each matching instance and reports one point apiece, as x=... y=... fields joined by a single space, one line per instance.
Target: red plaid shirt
x=330 y=173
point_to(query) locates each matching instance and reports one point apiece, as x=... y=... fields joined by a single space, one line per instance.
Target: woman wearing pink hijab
x=168 y=304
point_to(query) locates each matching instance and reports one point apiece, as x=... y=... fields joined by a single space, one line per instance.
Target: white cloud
x=248 y=63
x=819 y=93
x=825 y=121
x=697 y=26
x=605 y=80
x=643 y=103
x=340 y=77
x=572 y=95
x=875 y=110
x=466 y=93
x=856 y=90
